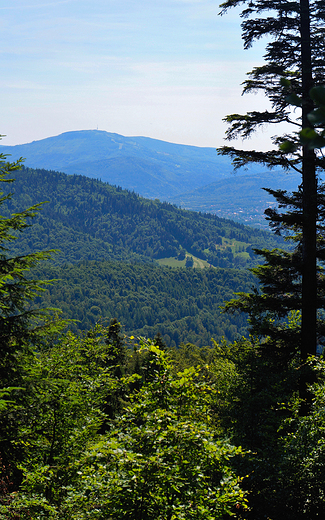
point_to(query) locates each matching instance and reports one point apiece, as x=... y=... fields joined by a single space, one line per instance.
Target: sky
x=166 y=69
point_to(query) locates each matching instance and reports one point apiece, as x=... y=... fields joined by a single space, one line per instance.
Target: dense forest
x=91 y=220
x=113 y=249
x=106 y=424
x=183 y=305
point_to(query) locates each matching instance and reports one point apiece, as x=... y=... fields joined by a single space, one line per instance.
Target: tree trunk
x=309 y=181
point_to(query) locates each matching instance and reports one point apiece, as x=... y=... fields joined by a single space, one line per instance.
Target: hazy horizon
x=168 y=69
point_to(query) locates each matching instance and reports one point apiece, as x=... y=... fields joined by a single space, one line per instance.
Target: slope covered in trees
x=100 y=229
x=59 y=399
x=183 y=305
x=104 y=425
x=91 y=220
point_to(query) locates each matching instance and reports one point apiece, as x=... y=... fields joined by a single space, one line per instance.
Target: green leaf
x=288 y=147
x=307 y=135
x=317 y=116
x=318 y=142
x=285 y=82
x=317 y=94
x=312 y=139
x=293 y=99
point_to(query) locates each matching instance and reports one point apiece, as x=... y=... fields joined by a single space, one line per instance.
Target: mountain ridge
x=118 y=222
x=158 y=169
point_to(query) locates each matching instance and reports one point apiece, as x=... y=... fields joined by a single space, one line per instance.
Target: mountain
x=121 y=255
x=151 y=168
x=89 y=219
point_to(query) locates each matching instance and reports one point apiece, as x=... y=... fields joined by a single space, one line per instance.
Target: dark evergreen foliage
x=20 y=323
x=287 y=312
x=294 y=62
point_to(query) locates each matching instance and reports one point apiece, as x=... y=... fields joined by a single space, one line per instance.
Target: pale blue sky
x=167 y=69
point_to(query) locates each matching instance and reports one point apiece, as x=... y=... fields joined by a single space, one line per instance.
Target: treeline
x=181 y=304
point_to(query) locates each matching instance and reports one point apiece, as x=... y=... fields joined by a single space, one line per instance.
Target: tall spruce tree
x=19 y=323
x=294 y=63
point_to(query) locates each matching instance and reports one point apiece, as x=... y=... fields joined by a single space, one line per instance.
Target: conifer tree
x=116 y=347
x=18 y=321
x=294 y=63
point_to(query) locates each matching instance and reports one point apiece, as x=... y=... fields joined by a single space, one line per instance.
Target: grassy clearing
x=174 y=262
x=235 y=246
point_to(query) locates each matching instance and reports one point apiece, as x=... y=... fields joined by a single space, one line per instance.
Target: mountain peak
x=154 y=169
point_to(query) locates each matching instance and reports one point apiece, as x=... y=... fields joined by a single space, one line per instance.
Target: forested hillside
x=183 y=305
x=69 y=449
x=192 y=177
x=107 y=425
x=98 y=422
x=110 y=244
x=91 y=220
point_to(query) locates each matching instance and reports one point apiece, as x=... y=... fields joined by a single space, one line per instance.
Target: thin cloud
x=35 y=6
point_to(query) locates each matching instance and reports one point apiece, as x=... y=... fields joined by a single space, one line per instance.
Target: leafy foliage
x=303 y=456
x=160 y=457
x=66 y=384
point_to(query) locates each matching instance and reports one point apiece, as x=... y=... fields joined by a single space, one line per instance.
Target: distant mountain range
x=191 y=177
